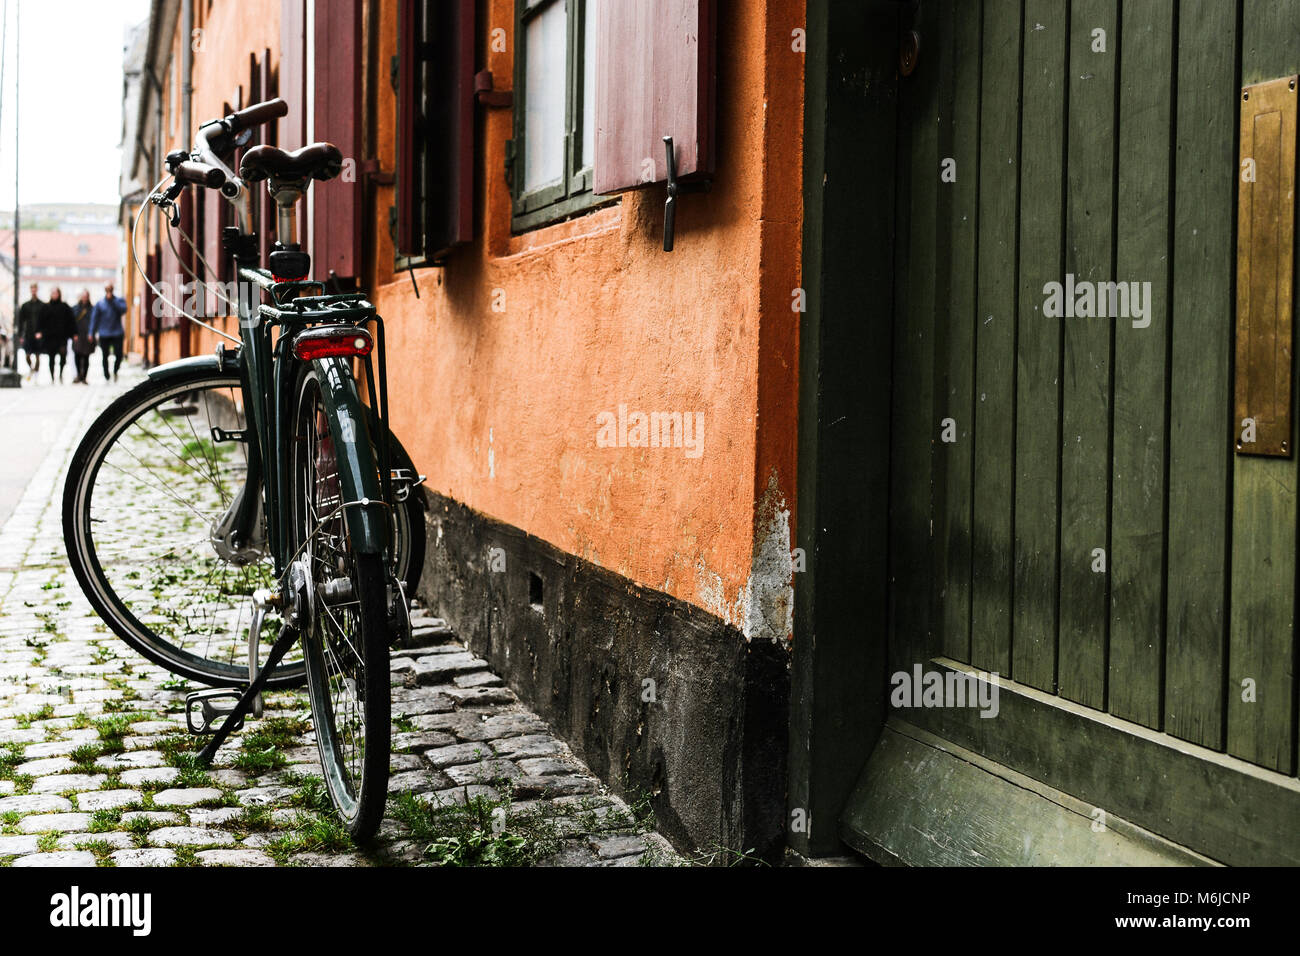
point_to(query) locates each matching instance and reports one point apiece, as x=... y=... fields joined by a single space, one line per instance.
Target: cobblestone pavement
x=96 y=767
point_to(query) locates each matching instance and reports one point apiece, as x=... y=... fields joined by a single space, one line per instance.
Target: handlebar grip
x=257 y=114
x=200 y=174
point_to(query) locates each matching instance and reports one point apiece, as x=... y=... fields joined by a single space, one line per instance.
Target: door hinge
x=395 y=72
x=510 y=162
x=392 y=225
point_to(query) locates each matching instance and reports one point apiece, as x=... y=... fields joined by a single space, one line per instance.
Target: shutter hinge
x=392 y=225
x=371 y=169
x=395 y=71
x=510 y=162
x=486 y=95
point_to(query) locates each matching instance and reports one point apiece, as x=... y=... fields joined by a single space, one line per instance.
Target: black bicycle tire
x=364 y=821
x=371 y=594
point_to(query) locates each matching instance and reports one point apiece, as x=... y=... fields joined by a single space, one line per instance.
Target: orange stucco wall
x=500 y=408
x=499 y=370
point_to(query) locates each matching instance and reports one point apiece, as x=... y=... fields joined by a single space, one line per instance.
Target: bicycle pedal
x=209 y=705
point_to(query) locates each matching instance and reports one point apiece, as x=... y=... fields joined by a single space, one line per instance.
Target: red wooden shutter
x=655 y=77
x=188 y=257
x=435 y=134
x=263 y=89
x=168 y=275
x=410 y=225
x=338 y=206
x=449 y=136
x=148 y=322
x=214 y=208
x=293 y=73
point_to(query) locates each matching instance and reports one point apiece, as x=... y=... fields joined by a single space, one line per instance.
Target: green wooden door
x=1066 y=506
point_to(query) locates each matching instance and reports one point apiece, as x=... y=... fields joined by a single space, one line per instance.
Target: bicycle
x=274 y=502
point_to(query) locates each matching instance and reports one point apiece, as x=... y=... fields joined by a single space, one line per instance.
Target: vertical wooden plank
x=1038 y=347
x=1261 y=642
x=995 y=339
x=912 y=553
x=1085 y=397
x=1141 y=354
x=1200 y=383
x=959 y=141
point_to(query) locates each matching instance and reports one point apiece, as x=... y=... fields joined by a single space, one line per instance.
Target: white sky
x=71 y=109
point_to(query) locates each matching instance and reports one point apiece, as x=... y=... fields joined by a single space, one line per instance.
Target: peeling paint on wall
x=769 y=601
x=764 y=606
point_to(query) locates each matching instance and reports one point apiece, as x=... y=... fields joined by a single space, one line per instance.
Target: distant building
x=65 y=217
x=64 y=260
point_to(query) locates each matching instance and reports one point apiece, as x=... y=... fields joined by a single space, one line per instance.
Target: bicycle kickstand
x=235 y=716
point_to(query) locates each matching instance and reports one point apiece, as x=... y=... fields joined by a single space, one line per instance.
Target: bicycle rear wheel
x=346 y=633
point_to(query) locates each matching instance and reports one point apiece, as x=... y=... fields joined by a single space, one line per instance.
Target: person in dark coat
x=82 y=344
x=27 y=331
x=58 y=325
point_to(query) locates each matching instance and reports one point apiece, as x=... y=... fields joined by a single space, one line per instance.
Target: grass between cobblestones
x=92 y=741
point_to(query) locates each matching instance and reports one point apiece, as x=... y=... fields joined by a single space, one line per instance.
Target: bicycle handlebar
x=256 y=115
x=200 y=174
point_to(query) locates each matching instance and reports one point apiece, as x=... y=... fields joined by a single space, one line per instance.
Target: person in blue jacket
x=106 y=327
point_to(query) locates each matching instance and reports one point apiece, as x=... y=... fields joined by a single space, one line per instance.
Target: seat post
x=286 y=193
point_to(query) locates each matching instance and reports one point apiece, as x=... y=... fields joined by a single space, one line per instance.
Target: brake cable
x=156 y=198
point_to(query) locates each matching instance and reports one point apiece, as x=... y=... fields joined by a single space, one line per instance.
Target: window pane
x=589 y=30
x=544 y=98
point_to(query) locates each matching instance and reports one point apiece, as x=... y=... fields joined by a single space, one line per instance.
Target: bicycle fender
x=358 y=473
x=187 y=366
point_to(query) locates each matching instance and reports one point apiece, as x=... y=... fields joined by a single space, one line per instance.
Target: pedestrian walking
x=27 y=331
x=58 y=325
x=82 y=344
x=106 y=327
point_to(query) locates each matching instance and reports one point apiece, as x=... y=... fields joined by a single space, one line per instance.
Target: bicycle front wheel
x=346 y=634
x=149 y=480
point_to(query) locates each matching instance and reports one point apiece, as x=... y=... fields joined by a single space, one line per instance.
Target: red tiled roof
x=46 y=248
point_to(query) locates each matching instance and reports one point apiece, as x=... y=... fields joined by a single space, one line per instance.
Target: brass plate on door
x=1265 y=250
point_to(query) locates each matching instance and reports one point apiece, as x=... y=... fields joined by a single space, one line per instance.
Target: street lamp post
x=9 y=377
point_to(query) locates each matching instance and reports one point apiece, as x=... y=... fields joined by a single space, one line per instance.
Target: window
x=550 y=159
x=434 y=212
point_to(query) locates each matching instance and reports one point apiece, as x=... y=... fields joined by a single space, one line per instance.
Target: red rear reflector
x=332 y=343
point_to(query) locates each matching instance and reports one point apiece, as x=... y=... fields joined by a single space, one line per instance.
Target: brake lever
x=167 y=202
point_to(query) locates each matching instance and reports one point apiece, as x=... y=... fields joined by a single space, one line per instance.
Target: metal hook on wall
x=675 y=188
